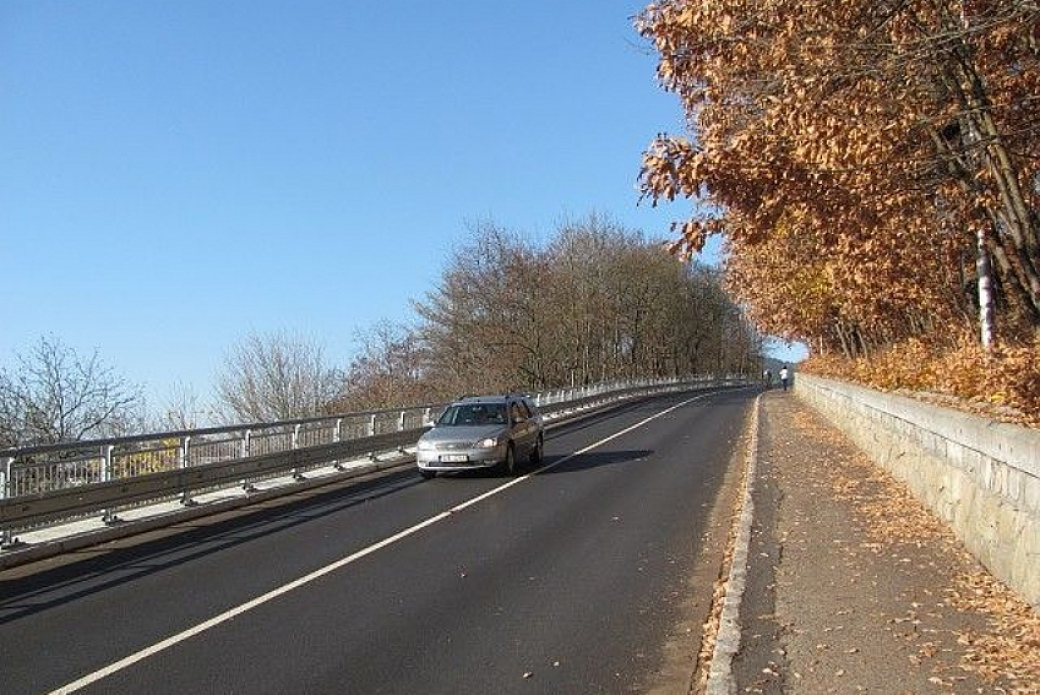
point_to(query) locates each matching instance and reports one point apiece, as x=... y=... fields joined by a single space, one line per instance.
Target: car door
x=525 y=427
x=535 y=414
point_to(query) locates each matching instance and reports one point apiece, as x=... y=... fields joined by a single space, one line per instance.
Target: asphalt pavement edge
x=720 y=680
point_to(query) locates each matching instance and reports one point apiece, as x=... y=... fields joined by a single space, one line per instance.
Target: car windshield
x=474 y=414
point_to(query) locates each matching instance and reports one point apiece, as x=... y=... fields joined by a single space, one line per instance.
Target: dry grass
x=1003 y=385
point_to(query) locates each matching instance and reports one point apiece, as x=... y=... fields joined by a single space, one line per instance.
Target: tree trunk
x=984 y=273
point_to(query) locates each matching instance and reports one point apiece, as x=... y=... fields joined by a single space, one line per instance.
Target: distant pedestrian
x=767 y=378
x=783 y=376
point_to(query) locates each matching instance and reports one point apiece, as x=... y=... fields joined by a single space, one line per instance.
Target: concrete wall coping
x=1017 y=446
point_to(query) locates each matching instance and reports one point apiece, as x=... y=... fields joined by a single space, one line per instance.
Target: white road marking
x=173 y=640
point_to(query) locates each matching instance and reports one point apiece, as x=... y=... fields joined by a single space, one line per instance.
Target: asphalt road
x=572 y=579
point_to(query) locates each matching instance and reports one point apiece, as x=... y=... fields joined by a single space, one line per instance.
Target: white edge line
x=184 y=635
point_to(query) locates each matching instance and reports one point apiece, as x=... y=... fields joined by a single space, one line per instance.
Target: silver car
x=482 y=432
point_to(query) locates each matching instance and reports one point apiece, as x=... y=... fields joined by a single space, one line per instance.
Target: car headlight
x=489 y=443
x=425 y=446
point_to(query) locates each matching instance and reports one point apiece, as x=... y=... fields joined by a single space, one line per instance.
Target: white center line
x=154 y=649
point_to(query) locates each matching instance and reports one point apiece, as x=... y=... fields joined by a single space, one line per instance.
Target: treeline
x=596 y=303
x=875 y=166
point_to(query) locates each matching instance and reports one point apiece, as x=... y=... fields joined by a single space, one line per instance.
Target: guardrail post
x=337 y=432
x=247 y=486
x=5 y=475
x=108 y=516
x=296 y=474
x=183 y=462
x=7 y=538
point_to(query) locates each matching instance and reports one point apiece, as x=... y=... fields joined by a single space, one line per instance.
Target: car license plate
x=454 y=458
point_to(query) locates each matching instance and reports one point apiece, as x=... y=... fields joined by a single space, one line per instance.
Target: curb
x=727 y=641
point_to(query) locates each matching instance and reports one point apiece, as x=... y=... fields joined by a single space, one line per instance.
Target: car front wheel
x=538 y=452
x=509 y=464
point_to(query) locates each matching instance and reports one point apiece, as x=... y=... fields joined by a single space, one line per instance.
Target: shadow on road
x=594 y=459
x=46 y=589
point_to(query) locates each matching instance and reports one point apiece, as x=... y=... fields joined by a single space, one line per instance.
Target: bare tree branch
x=55 y=396
x=275 y=377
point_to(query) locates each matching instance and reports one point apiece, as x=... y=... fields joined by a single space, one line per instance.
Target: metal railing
x=44 y=485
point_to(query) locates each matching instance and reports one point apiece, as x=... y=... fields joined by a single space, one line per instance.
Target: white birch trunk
x=984 y=272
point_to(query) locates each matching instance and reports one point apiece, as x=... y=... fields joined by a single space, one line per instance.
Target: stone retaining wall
x=982 y=477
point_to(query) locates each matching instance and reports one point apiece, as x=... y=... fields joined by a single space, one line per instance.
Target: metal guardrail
x=45 y=485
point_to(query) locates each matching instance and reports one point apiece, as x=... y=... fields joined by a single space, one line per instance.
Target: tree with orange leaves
x=853 y=153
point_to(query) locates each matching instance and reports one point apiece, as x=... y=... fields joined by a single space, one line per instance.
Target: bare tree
x=484 y=324
x=275 y=377
x=183 y=409
x=388 y=372
x=55 y=396
x=600 y=302
x=582 y=258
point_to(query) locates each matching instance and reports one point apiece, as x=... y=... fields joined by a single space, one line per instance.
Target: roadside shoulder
x=858 y=587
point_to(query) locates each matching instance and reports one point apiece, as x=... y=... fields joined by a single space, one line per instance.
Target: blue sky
x=179 y=174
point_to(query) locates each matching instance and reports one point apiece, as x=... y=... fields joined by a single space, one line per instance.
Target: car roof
x=492 y=398
x=483 y=399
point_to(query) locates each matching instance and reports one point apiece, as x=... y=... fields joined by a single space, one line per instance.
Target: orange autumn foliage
x=853 y=154
x=1003 y=384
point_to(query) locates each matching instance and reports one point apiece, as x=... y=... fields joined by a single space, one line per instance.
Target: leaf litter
x=1007 y=654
